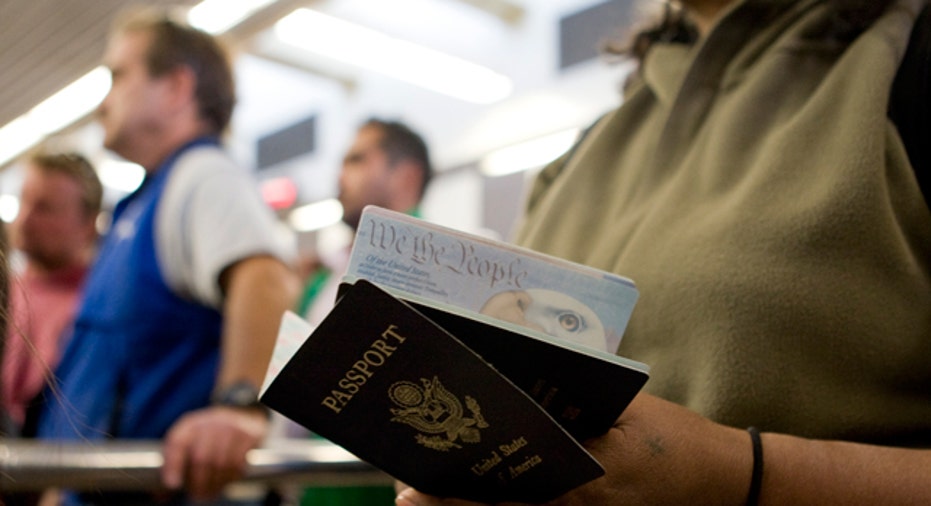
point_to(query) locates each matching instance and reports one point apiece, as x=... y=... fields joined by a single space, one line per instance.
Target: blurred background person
x=387 y=165
x=55 y=233
x=182 y=306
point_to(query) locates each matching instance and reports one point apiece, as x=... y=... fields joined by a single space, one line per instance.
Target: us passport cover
x=390 y=385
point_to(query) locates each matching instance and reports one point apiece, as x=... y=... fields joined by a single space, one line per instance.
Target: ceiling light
x=68 y=105
x=218 y=16
x=72 y=102
x=17 y=136
x=528 y=154
x=316 y=216
x=357 y=45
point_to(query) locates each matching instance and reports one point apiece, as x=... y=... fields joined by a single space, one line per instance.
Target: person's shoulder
x=207 y=159
x=208 y=166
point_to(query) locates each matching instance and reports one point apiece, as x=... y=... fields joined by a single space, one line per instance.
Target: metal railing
x=27 y=465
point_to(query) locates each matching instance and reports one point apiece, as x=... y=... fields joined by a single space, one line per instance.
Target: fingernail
x=404 y=499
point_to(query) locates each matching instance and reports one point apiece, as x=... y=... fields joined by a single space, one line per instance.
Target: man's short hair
x=402 y=143
x=79 y=170
x=176 y=44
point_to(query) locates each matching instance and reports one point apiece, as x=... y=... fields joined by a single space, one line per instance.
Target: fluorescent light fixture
x=316 y=216
x=418 y=65
x=528 y=154
x=72 y=102
x=121 y=176
x=17 y=136
x=218 y=16
x=9 y=208
x=60 y=110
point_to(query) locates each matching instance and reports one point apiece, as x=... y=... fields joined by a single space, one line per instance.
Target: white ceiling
x=45 y=44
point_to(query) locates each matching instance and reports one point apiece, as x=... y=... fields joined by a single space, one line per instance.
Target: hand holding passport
x=452 y=403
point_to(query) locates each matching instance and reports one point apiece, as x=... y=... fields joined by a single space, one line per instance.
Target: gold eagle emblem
x=436 y=413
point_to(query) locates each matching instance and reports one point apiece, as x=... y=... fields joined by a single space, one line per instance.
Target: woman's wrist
x=724 y=473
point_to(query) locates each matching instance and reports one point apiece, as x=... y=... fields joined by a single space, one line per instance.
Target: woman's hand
x=656 y=453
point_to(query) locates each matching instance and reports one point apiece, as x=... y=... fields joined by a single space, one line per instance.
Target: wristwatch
x=241 y=394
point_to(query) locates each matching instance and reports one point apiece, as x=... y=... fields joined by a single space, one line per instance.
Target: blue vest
x=141 y=356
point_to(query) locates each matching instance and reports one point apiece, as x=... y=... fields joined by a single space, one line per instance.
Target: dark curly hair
x=673 y=25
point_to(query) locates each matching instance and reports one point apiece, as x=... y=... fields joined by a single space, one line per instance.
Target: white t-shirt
x=210 y=216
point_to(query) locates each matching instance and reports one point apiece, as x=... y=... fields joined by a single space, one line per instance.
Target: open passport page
x=465 y=271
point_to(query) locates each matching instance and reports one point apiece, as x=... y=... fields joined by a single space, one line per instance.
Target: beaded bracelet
x=756 y=477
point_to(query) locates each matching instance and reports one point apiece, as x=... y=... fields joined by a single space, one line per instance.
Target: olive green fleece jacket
x=753 y=188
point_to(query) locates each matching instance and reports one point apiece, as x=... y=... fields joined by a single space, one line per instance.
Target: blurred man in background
x=387 y=165
x=182 y=307
x=55 y=233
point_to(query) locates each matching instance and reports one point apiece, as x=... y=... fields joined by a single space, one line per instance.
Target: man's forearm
x=258 y=291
